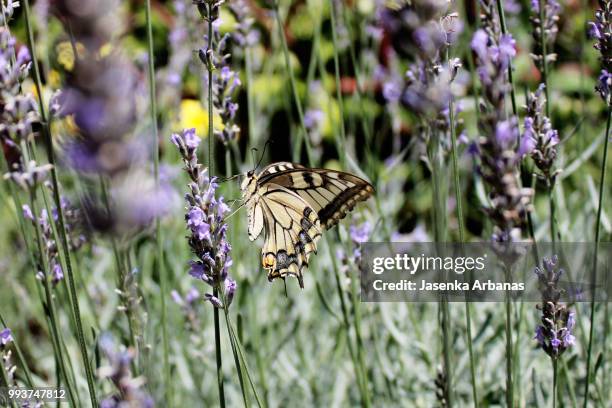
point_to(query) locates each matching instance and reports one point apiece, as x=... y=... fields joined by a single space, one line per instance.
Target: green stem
x=341 y=143
x=60 y=213
x=508 y=326
x=211 y=146
x=303 y=135
x=248 y=66
x=554 y=387
x=594 y=273
x=570 y=383
x=365 y=117
x=345 y=316
x=245 y=399
x=358 y=338
x=20 y=357
x=502 y=20
x=439 y=211
x=5 y=383
x=50 y=305
x=551 y=205
x=543 y=46
x=460 y=223
x=163 y=278
x=238 y=345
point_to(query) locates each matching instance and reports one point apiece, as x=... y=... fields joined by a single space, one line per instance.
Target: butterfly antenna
x=234 y=212
x=224 y=179
x=254 y=150
x=285 y=283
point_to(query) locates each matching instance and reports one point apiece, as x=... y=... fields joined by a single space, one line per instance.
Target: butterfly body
x=292 y=205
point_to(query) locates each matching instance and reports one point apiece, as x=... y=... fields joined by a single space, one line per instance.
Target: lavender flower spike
x=205 y=219
x=225 y=81
x=539 y=138
x=118 y=371
x=552 y=8
x=555 y=332
x=499 y=149
x=601 y=31
x=18 y=111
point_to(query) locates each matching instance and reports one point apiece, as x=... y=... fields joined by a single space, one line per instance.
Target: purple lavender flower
x=421 y=31
x=105 y=115
x=6 y=337
x=189 y=305
x=361 y=233
x=499 y=151
x=129 y=389
x=50 y=247
x=18 y=110
x=313 y=119
x=493 y=59
x=554 y=334
x=552 y=8
x=225 y=81
x=245 y=34
x=601 y=31
x=230 y=290
x=205 y=219
x=539 y=139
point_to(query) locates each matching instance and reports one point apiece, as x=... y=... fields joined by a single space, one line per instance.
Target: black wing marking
x=291 y=233
x=332 y=194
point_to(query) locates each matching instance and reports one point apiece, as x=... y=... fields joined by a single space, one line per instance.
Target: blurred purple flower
x=57 y=274
x=6 y=337
x=421 y=31
x=27 y=212
x=552 y=8
x=130 y=392
x=106 y=115
x=360 y=233
x=313 y=119
x=499 y=150
x=506 y=134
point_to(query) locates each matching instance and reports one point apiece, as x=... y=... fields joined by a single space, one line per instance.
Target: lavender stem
x=303 y=135
x=340 y=142
x=594 y=273
x=60 y=213
x=163 y=278
x=544 y=59
x=502 y=20
x=211 y=134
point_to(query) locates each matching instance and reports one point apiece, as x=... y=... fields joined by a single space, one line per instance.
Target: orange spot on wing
x=268 y=261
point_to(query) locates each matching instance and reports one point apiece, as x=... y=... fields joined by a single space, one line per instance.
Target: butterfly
x=292 y=205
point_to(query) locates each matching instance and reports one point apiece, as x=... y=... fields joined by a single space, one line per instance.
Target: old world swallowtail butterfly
x=292 y=205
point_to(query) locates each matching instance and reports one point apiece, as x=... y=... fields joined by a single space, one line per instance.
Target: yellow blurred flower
x=65 y=56
x=193 y=115
x=54 y=80
x=105 y=50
